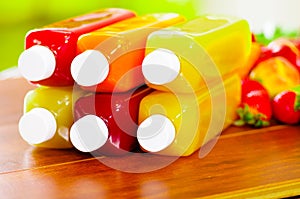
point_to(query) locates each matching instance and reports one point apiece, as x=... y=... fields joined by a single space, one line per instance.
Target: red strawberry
x=286 y=106
x=255 y=109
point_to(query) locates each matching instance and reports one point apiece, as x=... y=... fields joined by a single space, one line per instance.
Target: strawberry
x=286 y=106
x=255 y=108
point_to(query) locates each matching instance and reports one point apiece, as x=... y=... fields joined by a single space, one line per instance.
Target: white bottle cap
x=89 y=133
x=37 y=126
x=161 y=66
x=89 y=68
x=156 y=133
x=37 y=63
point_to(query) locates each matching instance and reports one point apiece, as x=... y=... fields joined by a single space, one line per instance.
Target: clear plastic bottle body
x=123 y=46
x=204 y=48
x=197 y=118
x=106 y=123
x=60 y=40
x=58 y=103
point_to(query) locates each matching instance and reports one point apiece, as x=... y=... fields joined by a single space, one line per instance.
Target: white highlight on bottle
x=37 y=126
x=156 y=133
x=89 y=68
x=37 y=63
x=161 y=66
x=89 y=133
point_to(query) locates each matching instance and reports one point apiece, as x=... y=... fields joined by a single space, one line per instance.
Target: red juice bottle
x=106 y=123
x=51 y=49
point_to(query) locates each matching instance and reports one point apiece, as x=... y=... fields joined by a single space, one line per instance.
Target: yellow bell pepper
x=276 y=74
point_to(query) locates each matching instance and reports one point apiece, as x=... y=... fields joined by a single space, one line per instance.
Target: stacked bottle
x=194 y=68
x=108 y=65
x=48 y=109
x=110 y=82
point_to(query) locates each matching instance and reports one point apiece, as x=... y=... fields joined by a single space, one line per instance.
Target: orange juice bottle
x=48 y=116
x=179 y=124
x=110 y=58
x=183 y=57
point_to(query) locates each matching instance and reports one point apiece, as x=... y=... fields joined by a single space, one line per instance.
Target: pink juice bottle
x=51 y=49
x=106 y=123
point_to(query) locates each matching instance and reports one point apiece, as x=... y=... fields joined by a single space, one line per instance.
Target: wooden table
x=243 y=163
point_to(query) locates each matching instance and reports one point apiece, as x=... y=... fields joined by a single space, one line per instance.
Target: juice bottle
x=183 y=57
x=106 y=123
x=111 y=57
x=179 y=124
x=48 y=116
x=51 y=49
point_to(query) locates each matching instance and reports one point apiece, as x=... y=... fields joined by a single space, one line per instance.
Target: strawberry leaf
x=297 y=102
x=248 y=117
x=239 y=123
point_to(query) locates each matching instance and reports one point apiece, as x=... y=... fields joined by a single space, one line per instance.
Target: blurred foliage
x=266 y=37
x=19 y=16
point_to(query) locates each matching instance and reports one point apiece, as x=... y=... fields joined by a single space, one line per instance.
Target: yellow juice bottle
x=183 y=57
x=48 y=116
x=110 y=58
x=179 y=124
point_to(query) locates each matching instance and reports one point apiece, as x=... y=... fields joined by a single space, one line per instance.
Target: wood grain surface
x=244 y=163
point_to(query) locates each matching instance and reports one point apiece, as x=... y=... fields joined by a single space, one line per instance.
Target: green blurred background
x=20 y=16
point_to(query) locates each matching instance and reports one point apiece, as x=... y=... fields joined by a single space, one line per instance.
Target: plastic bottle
x=182 y=58
x=106 y=123
x=179 y=124
x=48 y=116
x=111 y=57
x=51 y=49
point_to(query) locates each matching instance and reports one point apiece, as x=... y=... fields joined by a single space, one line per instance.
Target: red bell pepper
x=282 y=47
x=285 y=48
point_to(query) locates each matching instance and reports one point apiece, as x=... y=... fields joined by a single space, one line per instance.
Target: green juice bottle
x=185 y=57
x=48 y=116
